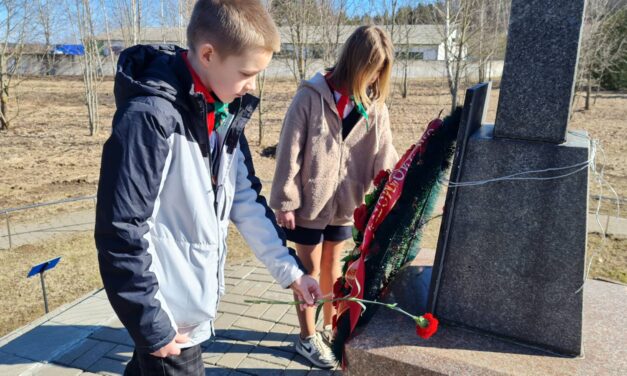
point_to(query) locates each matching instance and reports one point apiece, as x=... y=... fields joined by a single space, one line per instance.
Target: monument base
x=388 y=345
x=514 y=250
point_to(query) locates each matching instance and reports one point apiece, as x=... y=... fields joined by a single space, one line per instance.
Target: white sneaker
x=316 y=351
x=327 y=335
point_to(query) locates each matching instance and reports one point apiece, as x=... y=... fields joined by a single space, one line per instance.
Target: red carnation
x=381 y=176
x=360 y=216
x=430 y=329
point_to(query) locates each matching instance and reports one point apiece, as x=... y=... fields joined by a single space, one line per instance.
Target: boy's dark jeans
x=188 y=363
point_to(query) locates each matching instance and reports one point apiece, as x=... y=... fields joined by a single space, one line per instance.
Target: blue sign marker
x=44 y=266
x=41 y=269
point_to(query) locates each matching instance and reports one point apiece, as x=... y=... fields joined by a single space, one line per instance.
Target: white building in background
x=417 y=42
x=419 y=51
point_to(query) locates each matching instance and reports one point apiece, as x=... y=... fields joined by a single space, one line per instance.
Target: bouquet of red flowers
x=388 y=228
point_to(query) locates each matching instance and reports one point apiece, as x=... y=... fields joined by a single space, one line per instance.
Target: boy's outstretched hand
x=171 y=348
x=306 y=289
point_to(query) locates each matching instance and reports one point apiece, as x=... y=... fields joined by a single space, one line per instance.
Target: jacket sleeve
x=257 y=224
x=133 y=164
x=286 y=186
x=386 y=156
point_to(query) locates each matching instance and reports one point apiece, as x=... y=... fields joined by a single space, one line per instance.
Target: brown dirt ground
x=48 y=155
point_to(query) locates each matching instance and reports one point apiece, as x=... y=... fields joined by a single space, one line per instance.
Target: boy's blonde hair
x=366 y=50
x=232 y=26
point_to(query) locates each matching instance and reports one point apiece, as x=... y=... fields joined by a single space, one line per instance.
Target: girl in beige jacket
x=335 y=138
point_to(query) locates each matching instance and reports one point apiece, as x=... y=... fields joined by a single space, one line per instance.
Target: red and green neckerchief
x=220 y=109
x=343 y=101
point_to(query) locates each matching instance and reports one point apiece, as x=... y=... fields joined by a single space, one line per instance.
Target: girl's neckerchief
x=343 y=101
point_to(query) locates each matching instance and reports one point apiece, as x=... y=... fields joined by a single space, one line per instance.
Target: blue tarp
x=69 y=49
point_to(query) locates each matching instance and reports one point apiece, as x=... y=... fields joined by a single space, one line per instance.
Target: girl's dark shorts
x=310 y=236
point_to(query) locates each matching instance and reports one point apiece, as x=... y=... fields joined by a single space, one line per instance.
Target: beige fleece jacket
x=320 y=176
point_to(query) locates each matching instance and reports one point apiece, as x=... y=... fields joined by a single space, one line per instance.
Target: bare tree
x=404 y=53
x=486 y=33
x=261 y=86
x=389 y=17
x=497 y=23
x=184 y=12
x=172 y=17
x=12 y=35
x=47 y=15
x=128 y=14
x=456 y=34
x=105 y=14
x=332 y=30
x=301 y=20
x=164 y=8
x=600 y=49
x=90 y=60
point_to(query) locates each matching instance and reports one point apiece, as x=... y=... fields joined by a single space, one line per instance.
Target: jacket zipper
x=221 y=254
x=339 y=168
x=215 y=205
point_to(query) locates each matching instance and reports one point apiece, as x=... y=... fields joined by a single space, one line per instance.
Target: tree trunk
x=261 y=81
x=405 y=73
x=4 y=95
x=588 y=91
x=4 y=119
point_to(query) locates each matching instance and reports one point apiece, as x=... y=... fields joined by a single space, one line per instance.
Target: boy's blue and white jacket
x=160 y=225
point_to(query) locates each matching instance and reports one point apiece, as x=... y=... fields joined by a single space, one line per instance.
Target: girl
x=335 y=138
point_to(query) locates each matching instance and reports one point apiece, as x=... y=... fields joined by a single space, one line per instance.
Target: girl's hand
x=286 y=219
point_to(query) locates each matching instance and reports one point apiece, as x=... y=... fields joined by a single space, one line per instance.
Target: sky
x=64 y=32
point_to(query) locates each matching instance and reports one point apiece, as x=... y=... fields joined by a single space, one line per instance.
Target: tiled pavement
x=86 y=338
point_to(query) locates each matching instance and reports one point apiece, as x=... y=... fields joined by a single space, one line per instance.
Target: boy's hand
x=306 y=289
x=286 y=219
x=172 y=347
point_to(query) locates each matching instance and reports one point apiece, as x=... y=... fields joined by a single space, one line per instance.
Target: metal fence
x=19 y=233
x=13 y=231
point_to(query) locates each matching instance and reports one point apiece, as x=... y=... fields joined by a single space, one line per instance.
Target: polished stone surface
x=511 y=254
x=539 y=71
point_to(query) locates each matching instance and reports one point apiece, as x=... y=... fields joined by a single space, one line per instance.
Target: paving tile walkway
x=86 y=338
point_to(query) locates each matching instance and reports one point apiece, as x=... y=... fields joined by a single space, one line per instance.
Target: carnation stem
x=421 y=321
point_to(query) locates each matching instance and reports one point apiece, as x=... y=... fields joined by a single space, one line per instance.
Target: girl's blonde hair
x=366 y=50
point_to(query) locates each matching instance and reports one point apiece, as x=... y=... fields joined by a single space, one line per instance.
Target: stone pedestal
x=512 y=256
x=390 y=346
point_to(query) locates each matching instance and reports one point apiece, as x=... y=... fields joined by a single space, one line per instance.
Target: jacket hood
x=151 y=70
x=319 y=84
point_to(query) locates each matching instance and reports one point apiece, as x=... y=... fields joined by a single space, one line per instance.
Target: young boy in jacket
x=175 y=170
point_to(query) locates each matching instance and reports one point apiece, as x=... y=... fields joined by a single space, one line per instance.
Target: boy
x=176 y=168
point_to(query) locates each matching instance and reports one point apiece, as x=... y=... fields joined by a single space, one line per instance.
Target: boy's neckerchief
x=218 y=111
x=343 y=101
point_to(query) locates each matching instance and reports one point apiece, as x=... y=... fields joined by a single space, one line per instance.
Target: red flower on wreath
x=430 y=329
x=381 y=176
x=360 y=216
